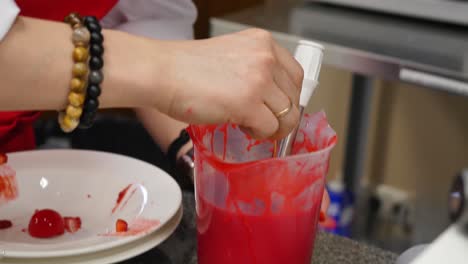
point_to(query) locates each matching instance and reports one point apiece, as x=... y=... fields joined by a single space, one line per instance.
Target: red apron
x=16 y=131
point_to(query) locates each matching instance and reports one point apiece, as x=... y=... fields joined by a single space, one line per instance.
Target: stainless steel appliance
x=451 y=11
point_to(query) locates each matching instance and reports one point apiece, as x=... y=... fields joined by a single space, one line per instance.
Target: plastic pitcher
x=254 y=209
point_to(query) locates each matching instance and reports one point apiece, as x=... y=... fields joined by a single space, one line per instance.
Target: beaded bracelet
x=95 y=76
x=70 y=118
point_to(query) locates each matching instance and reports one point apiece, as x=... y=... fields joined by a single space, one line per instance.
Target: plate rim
x=8 y=253
x=137 y=247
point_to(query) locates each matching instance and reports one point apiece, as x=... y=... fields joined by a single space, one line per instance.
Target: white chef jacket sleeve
x=158 y=19
x=8 y=13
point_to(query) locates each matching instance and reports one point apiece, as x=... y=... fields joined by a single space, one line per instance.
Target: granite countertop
x=180 y=248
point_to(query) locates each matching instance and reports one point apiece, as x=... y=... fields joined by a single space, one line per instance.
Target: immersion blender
x=309 y=55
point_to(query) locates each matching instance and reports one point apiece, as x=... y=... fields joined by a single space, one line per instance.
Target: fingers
x=285 y=83
x=282 y=108
x=288 y=76
x=290 y=65
x=285 y=58
x=262 y=123
x=256 y=100
x=325 y=202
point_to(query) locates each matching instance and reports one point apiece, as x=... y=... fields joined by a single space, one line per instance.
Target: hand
x=242 y=78
x=325 y=203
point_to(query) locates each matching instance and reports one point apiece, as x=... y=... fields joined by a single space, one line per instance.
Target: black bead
x=88 y=116
x=94 y=91
x=95 y=63
x=96 y=38
x=94 y=27
x=95 y=77
x=83 y=125
x=91 y=105
x=86 y=122
x=90 y=19
x=96 y=50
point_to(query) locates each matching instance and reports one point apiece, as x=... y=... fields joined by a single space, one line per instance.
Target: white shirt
x=161 y=19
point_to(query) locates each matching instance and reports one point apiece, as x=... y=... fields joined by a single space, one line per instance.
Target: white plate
x=111 y=255
x=84 y=184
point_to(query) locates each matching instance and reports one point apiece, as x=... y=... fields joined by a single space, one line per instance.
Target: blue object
x=341 y=209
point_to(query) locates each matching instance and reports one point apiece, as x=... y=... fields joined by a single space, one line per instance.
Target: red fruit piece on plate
x=8 y=186
x=72 y=224
x=46 y=223
x=4 y=224
x=3 y=158
x=121 y=226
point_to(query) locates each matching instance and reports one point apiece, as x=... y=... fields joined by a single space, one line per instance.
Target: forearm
x=35 y=67
x=36 y=64
x=162 y=128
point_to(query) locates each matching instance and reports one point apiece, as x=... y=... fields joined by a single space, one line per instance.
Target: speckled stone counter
x=180 y=248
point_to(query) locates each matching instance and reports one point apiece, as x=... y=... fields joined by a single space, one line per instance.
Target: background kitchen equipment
x=451 y=245
x=451 y=11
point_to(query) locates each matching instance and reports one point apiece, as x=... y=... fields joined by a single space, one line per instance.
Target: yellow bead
x=81 y=36
x=70 y=122
x=80 y=54
x=74 y=112
x=76 y=99
x=77 y=85
x=80 y=69
x=66 y=123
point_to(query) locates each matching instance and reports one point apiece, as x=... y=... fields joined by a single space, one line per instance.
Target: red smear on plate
x=122 y=194
x=128 y=199
x=5 y=224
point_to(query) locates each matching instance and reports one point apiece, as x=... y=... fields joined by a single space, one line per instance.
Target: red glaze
x=122 y=194
x=46 y=223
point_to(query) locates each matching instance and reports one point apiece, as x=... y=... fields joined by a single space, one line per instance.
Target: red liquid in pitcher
x=283 y=232
x=233 y=238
